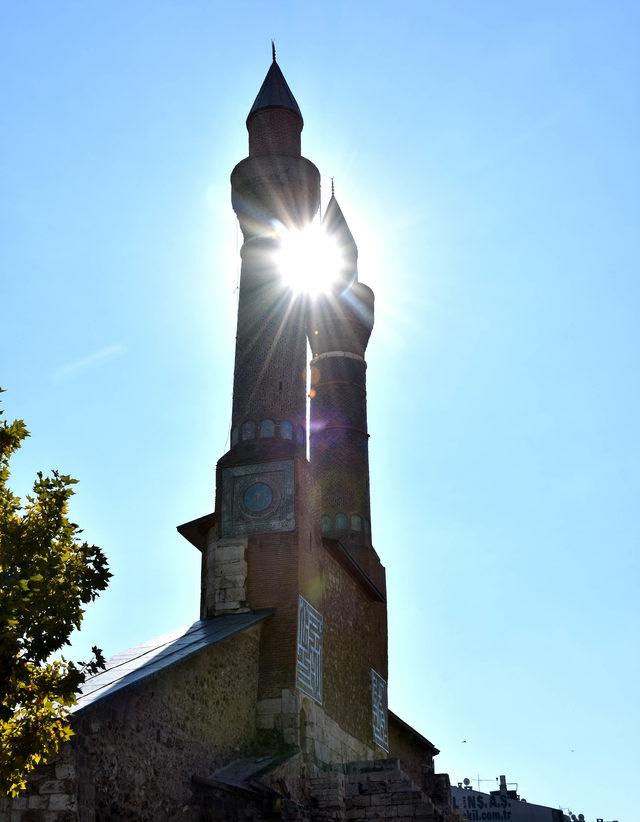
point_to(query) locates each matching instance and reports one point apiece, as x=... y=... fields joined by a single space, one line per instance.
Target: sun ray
x=310 y=261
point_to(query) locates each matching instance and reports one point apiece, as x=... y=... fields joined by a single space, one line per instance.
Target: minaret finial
x=332 y=187
x=273 y=50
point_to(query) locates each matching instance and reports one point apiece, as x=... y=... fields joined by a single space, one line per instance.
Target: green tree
x=47 y=576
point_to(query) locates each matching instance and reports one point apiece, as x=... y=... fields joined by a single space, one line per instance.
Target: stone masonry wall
x=133 y=756
x=145 y=746
x=299 y=721
x=52 y=797
x=225 y=589
x=415 y=759
x=370 y=791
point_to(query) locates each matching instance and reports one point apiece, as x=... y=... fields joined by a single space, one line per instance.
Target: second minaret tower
x=339 y=326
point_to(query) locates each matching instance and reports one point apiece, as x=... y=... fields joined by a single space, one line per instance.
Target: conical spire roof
x=274 y=93
x=335 y=224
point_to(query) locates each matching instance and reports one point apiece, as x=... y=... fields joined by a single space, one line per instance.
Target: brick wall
x=273 y=583
x=274 y=131
x=355 y=640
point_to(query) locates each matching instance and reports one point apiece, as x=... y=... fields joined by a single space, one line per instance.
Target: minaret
x=273 y=188
x=339 y=326
x=321 y=662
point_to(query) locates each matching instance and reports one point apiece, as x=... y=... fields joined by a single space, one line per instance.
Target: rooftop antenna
x=273 y=51
x=332 y=192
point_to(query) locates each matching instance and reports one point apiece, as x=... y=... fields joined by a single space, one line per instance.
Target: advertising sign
x=483 y=807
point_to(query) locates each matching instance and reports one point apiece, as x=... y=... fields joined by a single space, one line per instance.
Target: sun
x=309 y=260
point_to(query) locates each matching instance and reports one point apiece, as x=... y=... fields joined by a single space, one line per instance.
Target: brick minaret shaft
x=339 y=326
x=322 y=663
x=273 y=186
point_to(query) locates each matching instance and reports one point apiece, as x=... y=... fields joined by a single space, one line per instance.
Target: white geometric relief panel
x=309 y=661
x=379 y=710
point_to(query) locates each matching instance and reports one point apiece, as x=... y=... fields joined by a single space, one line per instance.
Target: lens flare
x=309 y=260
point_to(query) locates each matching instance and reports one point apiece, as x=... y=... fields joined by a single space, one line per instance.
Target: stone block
x=65 y=770
x=380 y=799
x=270 y=706
x=265 y=721
x=290 y=736
x=19 y=803
x=289 y=702
x=322 y=752
x=369 y=786
x=231 y=581
x=51 y=786
x=230 y=594
x=288 y=720
x=231 y=606
x=227 y=595
x=36 y=802
x=62 y=802
x=235 y=567
x=383 y=776
x=229 y=552
x=407 y=795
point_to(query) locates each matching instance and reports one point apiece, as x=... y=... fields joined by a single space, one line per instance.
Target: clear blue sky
x=486 y=156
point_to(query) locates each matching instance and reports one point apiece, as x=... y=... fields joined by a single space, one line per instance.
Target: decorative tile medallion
x=379 y=710
x=309 y=663
x=258 y=499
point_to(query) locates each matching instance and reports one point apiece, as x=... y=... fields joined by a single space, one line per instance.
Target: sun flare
x=309 y=260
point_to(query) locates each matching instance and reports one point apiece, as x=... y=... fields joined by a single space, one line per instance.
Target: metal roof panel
x=149 y=658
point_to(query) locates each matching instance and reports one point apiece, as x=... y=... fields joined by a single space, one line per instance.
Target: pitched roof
x=132 y=666
x=274 y=93
x=197 y=530
x=351 y=565
x=404 y=726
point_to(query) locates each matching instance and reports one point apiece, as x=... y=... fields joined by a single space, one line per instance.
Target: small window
x=267 y=428
x=286 y=430
x=248 y=430
x=234 y=436
x=300 y=436
x=356 y=522
x=342 y=522
x=325 y=523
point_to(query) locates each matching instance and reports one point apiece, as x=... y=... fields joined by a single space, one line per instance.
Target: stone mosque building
x=273 y=705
